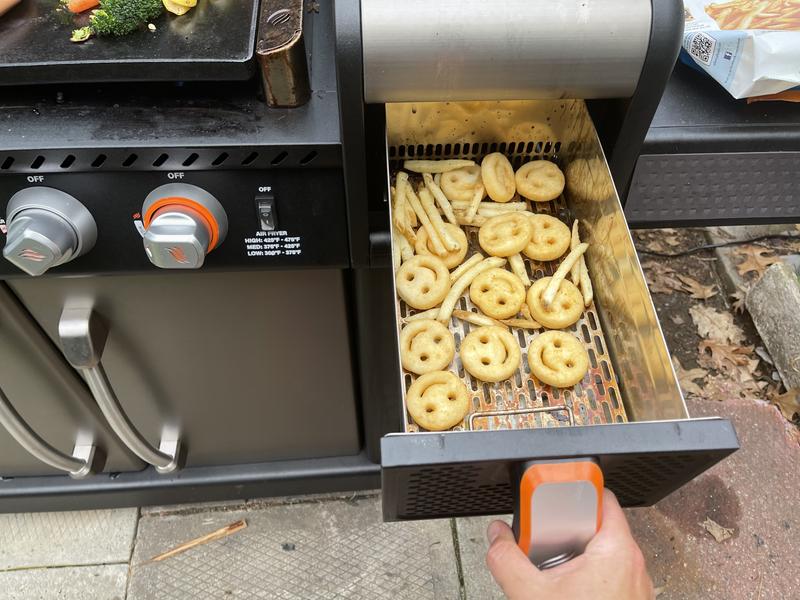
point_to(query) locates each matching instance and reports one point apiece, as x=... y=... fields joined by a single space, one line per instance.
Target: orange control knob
x=182 y=224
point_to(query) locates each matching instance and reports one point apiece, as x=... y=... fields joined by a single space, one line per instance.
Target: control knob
x=182 y=224
x=46 y=227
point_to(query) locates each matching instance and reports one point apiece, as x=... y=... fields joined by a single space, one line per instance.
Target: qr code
x=702 y=47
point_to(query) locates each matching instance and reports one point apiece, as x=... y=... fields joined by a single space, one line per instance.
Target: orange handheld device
x=558 y=508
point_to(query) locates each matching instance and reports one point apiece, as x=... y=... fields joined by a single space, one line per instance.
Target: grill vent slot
x=7 y=163
x=279 y=158
x=308 y=158
x=68 y=161
x=160 y=160
x=250 y=159
x=220 y=159
x=98 y=162
x=37 y=162
x=190 y=160
x=130 y=161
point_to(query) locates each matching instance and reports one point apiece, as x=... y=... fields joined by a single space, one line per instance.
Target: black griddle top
x=214 y=41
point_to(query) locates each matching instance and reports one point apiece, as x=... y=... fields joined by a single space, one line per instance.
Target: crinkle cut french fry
x=411 y=216
x=476 y=221
x=399 y=215
x=436 y=166
x=579 y=272
x=586 y=284
x=441 y=199
x=433 y=235
x=396 y=259
x=406 y=250
x=517 y=265
x=575 y=272
x=462 y=283
x=489 y=207
x=408 y=213
x=477 y=196
x=523 y=323
x=425 y=314
x=478 y=319
x=467 y=264
x=550 y=291
x=429 y=206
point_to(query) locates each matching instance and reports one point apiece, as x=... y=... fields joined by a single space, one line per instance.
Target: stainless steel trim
x=78 y=465
x=420 y=50
x=83 y=338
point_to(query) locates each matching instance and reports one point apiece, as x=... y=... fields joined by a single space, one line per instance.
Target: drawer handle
x=557 y=509
x=78 y=465
x=83 y=337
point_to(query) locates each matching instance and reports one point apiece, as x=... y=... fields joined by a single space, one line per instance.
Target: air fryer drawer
x=627 y=413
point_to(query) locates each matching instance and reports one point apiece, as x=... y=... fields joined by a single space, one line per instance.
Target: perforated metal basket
x=628 y=412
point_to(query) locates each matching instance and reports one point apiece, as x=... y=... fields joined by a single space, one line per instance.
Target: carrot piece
x=78 y=6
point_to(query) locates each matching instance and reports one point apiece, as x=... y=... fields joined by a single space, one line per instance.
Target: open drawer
x=627 y=414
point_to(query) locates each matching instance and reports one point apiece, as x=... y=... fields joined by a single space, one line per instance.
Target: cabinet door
x=48 y=396
x=252 y=367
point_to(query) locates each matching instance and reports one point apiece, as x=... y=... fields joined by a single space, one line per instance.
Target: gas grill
x=224 y=322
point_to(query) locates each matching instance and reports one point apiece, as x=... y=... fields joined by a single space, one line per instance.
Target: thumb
x=510 y=567
x=614 y=531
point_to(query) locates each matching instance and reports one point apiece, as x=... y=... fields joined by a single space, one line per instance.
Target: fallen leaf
x=715 y=325
x=728 y=386
x=788 y=403
x=719 y=532
x=672 y=240
x=738 y=300
x=654 y=246
x=725 y=357
x=677 y=319
x=687 y=379
x=661 y=279
x=660 y=590
x=696 y=289
x=755 y=259
x=665 y=280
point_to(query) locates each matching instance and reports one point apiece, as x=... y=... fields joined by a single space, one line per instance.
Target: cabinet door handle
x=78 y=465
x=83 y=337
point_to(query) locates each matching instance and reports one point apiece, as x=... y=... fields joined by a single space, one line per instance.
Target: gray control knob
x=182 y=224
x=46 y=227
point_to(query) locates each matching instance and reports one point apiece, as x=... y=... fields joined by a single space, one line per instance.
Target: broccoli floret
x=121 y=17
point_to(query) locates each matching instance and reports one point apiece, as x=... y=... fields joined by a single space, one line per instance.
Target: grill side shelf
x=467 y=473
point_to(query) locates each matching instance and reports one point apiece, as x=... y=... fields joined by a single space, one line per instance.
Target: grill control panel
x=106 y=222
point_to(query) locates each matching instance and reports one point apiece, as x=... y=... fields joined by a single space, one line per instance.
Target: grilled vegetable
x=179 y=7
x=78 y=6
x=81 y=35
x=119 y=17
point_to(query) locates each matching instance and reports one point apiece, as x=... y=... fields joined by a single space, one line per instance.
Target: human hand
x=611 y=568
